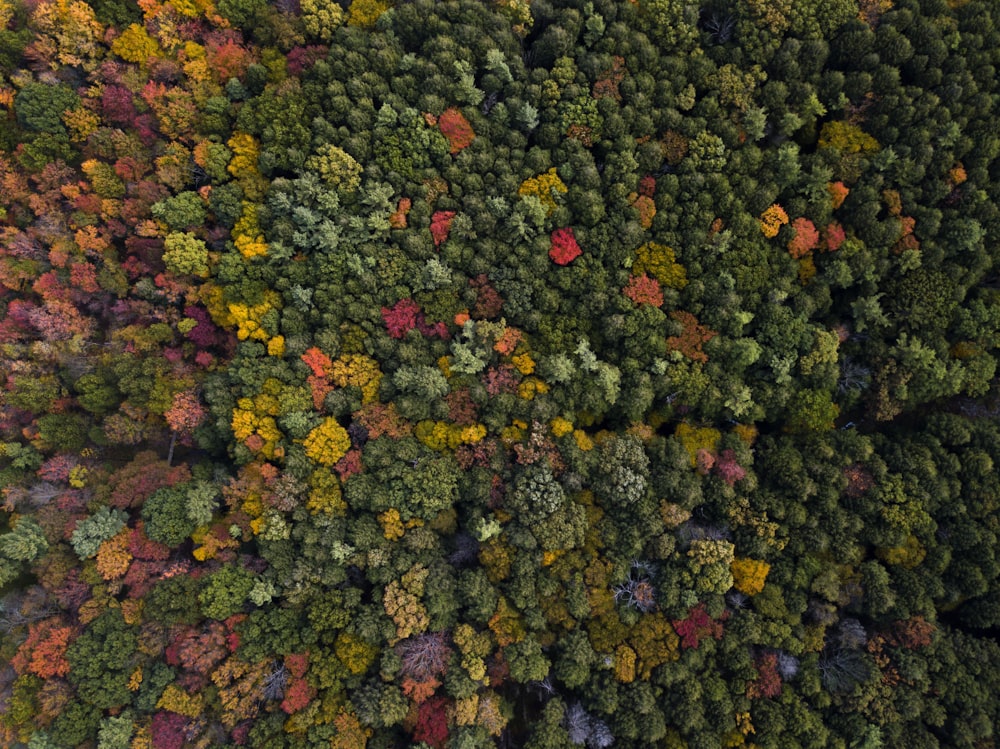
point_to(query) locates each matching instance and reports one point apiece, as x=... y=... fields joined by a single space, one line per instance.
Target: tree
x=321 y=18
x=102 y=659
x=564 y=247
x=166 y=516
x=456 y=129
x=185 y=254
x=99 y=527
x=337 y=168
x=327 y=443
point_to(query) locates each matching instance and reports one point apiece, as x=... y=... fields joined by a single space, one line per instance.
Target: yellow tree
x=68 y=34
x=327 y=443
x=749 y=575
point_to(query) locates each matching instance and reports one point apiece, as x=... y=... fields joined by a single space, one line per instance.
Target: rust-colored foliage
x=646 y=208
x=610 y=79
x=838 y=194
x=805 y=240
x=43 y=653
x=489 y=303
x=859 y=480
x=692 y=338
x=456 y=129
x=768 y=681
x=915 y=632
x=398 y=219
x=383 y=420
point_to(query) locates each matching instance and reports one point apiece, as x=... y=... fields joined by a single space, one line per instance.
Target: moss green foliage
x=450 y=374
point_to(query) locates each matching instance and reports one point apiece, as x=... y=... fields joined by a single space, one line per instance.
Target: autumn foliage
x=456 y=129
x=644 y=290
x=564 y=247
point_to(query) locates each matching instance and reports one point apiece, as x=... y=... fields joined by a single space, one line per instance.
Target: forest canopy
x=518 y=373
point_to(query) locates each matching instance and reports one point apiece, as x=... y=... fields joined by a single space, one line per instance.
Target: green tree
x=185 y=254
x=102 y=660
x=166 y=515
x=226 y=591
x=94 y=530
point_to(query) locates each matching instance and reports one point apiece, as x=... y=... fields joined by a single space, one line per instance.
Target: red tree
x=456 y=129
x=432 y=723
x=402 y=317
x=167 y=730
x=564 y=246
x=644 y=290
x=440 y=226
x=805 y=240
x=728 y=469
x=697 y=627
x=834 y=236
x=768 y=681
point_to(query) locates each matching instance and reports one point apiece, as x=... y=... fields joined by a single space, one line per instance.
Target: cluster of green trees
x=463 y=374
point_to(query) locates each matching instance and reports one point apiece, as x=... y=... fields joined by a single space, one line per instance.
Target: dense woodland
x=474 y=373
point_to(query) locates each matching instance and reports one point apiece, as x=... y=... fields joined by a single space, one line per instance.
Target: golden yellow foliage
x=749 y=575
x=365 y=13
x=276 y=346
x=81 y=123
x=136 y=45
x=560 y=427
x=360 y=371
x=356 y=654
x=529 y=388
x=327 y=443
x=506 y=624
x=247 y=234
x=624 y=664
x=325 y=494
x=392 y=525
x=466 y=709
x=524 y=363
x=249 y=319
x=243 y=165
x=176 y=700
x=772 y=219
x=696 y=438
x=113 y=557
x=68 y=34
x=846 y=137
x=583 y=440
x=654 y=641
x=545 y=187
x=401 y=601
x=659 y=261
